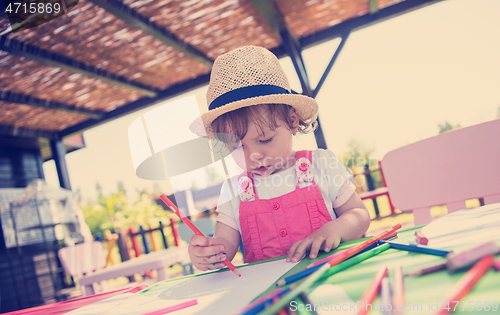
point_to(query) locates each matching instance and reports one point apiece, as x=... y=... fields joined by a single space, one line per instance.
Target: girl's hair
x=236 y=122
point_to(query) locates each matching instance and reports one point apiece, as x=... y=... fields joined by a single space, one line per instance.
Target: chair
x=447 y=169
x=83 y=259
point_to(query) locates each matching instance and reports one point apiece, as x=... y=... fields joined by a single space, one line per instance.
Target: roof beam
x=133 y=18
x=49 y=58
x=18 y=98
x=279 y=51
x=59 y=156
x=139 y=104
x=330 y=64
x=272 y=16
x=292 y=46
x=295 y=53
x=27 y=133
x=364 y=21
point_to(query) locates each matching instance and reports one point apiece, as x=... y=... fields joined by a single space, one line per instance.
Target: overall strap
x=303 y=167
x=246 y=188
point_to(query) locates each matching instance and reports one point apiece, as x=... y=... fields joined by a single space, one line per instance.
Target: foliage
x=358 y=158
x=447 y=126
x=116 y=210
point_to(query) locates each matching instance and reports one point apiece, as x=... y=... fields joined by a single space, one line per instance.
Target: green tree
x=116 y=210
x=447 y=126
x=357 y=157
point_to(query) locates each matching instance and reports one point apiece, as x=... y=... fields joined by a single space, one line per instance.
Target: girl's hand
x=206 y=253
x=351 y=223
x=323 y=238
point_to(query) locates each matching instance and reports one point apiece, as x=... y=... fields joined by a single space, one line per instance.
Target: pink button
x=276 y=206
x=283 y=233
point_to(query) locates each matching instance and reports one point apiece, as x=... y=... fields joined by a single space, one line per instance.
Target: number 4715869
x=24 y=8
x=472 y=306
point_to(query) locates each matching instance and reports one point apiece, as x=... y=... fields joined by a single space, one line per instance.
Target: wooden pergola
x=103 y=59
x=108 y=58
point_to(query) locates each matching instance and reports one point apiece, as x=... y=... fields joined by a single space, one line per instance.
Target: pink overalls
x=270 y=226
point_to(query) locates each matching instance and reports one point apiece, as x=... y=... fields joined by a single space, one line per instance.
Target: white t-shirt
x=330 y=176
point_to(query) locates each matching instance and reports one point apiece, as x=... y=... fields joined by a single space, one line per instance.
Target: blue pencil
x=416 y=248
x=302 y=274
x=308 y=271
x=259 y=306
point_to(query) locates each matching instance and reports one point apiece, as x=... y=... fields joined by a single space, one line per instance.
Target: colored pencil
x=421 y=239
x=465 y=284
x=398 y=292
x=299 y=275
x=318 y=273
x=456 y=261
x=343 y=265
x=194 y=228
x=306 y=301
x=355 y=260
x=385 y=296
x=173 y=308
x=260 y=304
x=496 y=265
x=356 y=249
x=371 y=292
x=326 y=259
x=281 y=311
x=301 y=287
x=416 y=248
x=433 y=267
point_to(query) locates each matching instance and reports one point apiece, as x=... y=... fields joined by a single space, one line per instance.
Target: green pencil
x=304 y=285
x=355 y=260
x=322 y=273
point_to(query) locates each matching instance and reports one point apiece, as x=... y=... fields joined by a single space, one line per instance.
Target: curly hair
x=236 y=122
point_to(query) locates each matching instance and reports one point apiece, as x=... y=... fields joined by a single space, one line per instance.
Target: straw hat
x=246 y=76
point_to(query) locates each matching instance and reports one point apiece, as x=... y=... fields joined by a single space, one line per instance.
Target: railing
x=370 y=189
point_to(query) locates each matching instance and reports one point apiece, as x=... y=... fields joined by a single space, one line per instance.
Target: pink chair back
x=447 y=169
x=82 y=258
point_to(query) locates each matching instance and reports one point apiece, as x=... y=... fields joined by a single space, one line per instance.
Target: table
x=153 y=261
x=421 y=293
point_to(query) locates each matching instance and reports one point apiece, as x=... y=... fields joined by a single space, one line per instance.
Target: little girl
x=285 y=202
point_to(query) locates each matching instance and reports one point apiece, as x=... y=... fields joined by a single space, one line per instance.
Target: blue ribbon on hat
x=246 y=92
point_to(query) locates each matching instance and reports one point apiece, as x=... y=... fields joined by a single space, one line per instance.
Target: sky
x=392 y=84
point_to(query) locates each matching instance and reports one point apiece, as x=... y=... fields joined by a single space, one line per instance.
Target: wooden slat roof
x=107 y=58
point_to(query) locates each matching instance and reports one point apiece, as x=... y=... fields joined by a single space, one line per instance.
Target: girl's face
x=264 y=151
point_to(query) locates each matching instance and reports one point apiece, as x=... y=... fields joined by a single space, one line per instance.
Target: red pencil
x=465 y=284
x=193 y=228
x=364 y=303
x=324 y=260
x=281 y=311
x=398 y=292
x=421 y=239
x=356 y=249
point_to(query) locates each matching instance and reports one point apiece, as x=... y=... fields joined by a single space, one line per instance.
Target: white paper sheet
x=217 y=293
x=464 y=227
